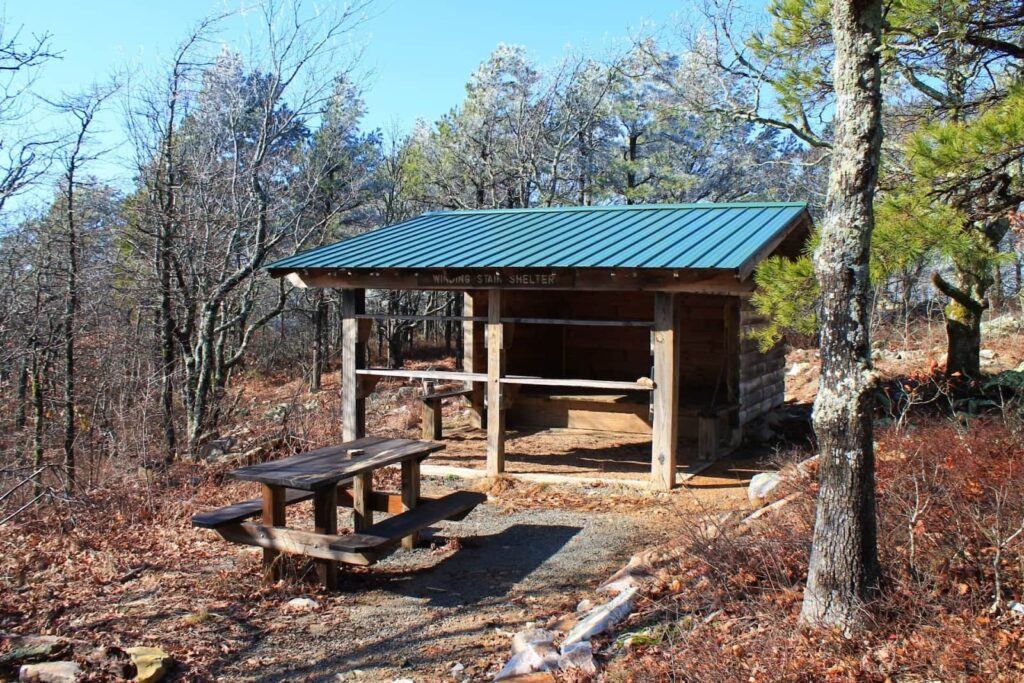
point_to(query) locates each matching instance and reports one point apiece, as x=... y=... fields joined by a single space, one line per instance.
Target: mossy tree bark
x=968 y=301
x=844 y=569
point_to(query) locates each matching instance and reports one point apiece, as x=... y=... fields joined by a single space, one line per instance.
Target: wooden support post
x=353 y=357
x=665 y=430
x=707 y=436
x=325 y=521
x=362 y=501
x=495 y=371
x=273 y=515
x=410 y=494
x=474 y=355
x=431 y=421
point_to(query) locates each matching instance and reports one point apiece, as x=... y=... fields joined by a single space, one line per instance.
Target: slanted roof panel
x=673 y=236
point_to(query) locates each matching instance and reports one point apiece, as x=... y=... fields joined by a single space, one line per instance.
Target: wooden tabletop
x=328 y=466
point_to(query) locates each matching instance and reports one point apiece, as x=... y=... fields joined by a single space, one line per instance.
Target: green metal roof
x=675 y=236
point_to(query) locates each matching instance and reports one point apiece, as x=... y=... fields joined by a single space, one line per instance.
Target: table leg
x=362 y=501
x=273 y=515
x=325 y=521
x=410 y=493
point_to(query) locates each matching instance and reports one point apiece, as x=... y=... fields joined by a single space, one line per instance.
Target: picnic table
x=336 y=476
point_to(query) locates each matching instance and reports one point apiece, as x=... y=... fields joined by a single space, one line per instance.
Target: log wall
x=762 y=376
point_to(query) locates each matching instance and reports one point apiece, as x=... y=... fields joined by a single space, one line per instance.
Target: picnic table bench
x=337 y=476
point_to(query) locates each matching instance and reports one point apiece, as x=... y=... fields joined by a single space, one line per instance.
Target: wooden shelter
x=625 y=318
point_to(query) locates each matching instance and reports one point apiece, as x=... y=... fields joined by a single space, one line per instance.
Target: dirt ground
x=530 y=553
x=513 y=561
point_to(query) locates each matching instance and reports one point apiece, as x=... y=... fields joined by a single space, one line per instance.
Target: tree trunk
x=23 y=381
x=39 y=420
x=319 y=341
x=963 y=320
x=843 y=571
x=70 y=305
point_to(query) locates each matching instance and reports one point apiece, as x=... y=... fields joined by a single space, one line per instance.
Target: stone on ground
x=303 y=604
x=28 y=649
x=50 y=672
x=151 y=663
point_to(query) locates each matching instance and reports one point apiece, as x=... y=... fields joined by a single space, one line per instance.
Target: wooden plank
x=292 y=542
x=273 y=516
x=446 y=394
x=578 y=322
x=353 y=354
x=391 y=503
x=410 y=497
x=424 y=374
x=328 y=466
x=389 y=531
x=362 y=503
x=495 y=370
x=430 y=419
x=474 y=356
x=707 y=281
x=424 y=318
x=665 y=428
x=707 y=437
x=579 y=383
x=325 y=521
x=239 y=512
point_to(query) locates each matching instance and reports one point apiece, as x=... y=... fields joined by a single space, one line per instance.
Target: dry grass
x=950 y=502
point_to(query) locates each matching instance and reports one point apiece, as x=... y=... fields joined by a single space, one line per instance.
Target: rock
x=578 y=656
x=986 y=354
x=28 y=649
x=303 y=604
x=762 y=484
x=457 y=668
x=799 y=369
x=51 y=672
x=585 y=605
x=1003 y=325
x=403 y=680
x=151 y=663
x=279 y=412
x=216 y=448
x=602 y=618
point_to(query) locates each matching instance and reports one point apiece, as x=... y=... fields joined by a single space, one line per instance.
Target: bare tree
x=844 y=568
x=24 y=152
x=82 y=110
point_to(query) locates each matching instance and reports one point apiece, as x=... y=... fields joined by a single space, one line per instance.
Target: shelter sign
x=514 y=278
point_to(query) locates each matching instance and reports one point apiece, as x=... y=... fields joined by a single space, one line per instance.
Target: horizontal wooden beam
x=581 y=323
x=579 y=383
x=390 y=503
x=425 y=374
x=293 y=542
x=427 y=318
x=510 y=379
x=708 y=281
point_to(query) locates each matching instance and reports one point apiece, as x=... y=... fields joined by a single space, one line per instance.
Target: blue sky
x=418 y=54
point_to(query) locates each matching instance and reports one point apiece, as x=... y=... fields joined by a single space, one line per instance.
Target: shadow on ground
x=484 y=566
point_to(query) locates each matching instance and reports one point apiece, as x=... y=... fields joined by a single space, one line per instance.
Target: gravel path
x=419 y=613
